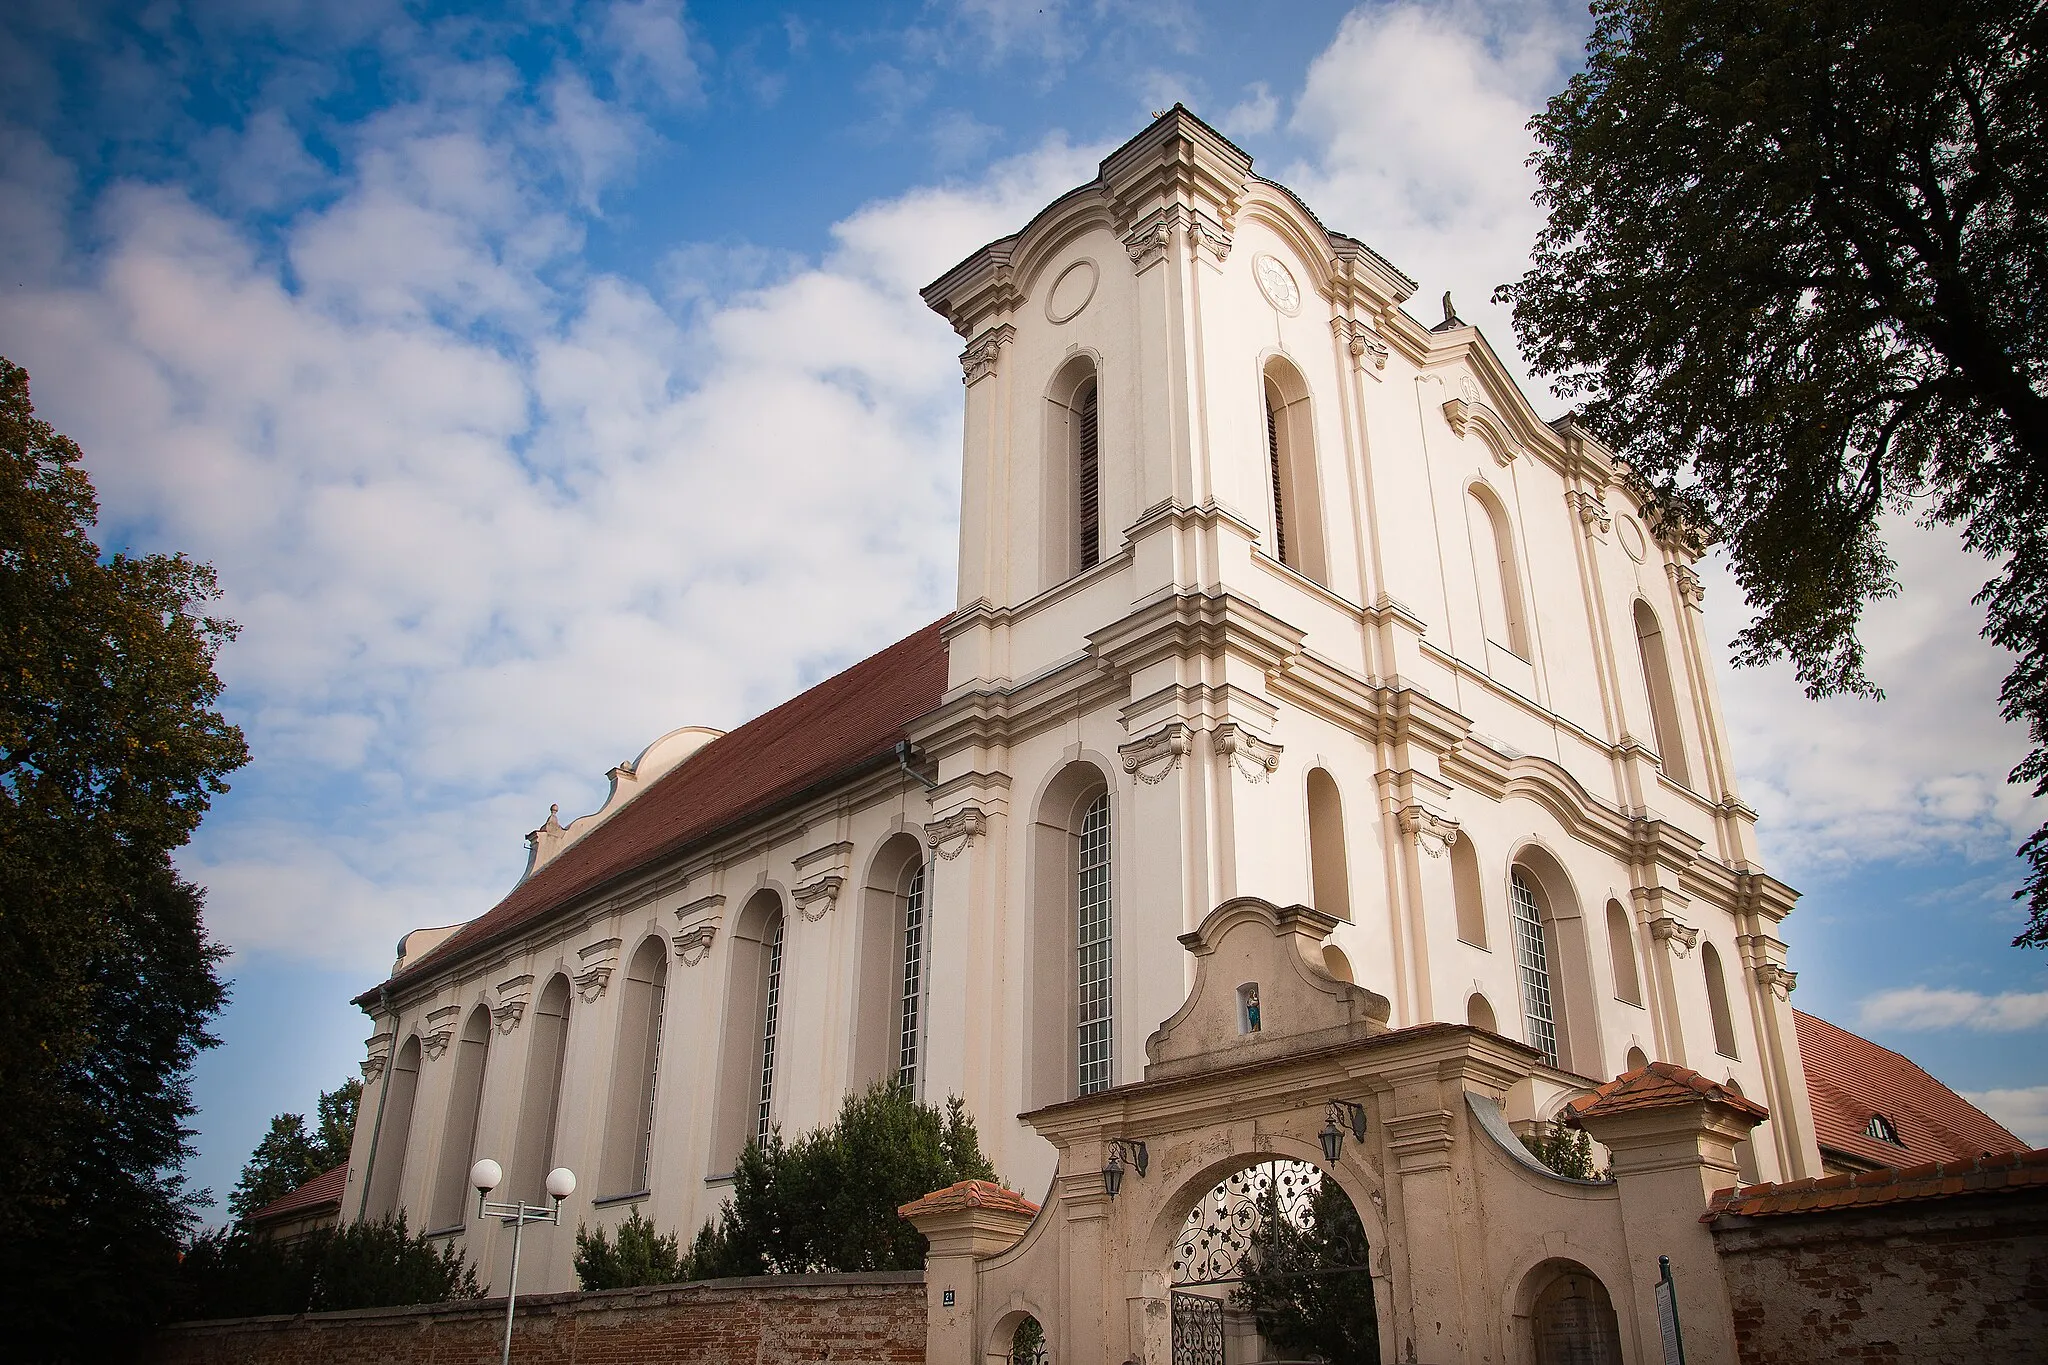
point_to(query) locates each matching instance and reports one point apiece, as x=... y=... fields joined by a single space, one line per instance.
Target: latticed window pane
x=1092 y=946
x=1532 y=956
x=643 y=1158
x=772 y=998
x=913 y=979
x=1090 y=481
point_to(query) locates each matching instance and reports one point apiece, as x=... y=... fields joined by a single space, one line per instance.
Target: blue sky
x=437 y=328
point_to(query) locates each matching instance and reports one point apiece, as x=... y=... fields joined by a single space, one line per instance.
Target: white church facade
x=1266 y=589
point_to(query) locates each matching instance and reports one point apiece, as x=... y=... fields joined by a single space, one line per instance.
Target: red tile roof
x=321 y=1189
x=844 y=723
x=2004 y=1173
x=971 y=1194
x=1851 y=1078
x=1657 y=1085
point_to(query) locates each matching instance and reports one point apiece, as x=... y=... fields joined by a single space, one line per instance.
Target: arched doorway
x=1272 y=1263
x=1571 y=1317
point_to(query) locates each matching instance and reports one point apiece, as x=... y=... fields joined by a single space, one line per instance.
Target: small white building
x=1266 y=588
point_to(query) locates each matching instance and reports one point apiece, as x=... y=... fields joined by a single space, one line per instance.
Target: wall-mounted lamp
x=1120 y=1151
x=1339 y=1115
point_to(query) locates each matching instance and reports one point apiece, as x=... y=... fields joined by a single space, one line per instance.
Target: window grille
x=772 y=997
x=1880 y=1129
x=1279 y=504
x=1092 y=946
x=913 y=980
x=1533 y=957
x=1090 y=482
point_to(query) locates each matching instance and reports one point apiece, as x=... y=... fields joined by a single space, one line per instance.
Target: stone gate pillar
x=964 y=1223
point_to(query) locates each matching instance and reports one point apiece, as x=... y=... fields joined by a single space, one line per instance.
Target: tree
x=110 y=752
x=1564 y=1149
x=1795 y=265
x=1306 y=1281
x=231 y=1273
x=289 y=1156
x=640 y=1255
x=828 y=1201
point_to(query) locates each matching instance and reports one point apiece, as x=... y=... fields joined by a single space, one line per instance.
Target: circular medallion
x=1469 y=387
x=1632 y=538
x=1071 y=291
x=1276 y=282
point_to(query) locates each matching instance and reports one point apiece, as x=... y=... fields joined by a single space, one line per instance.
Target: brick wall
x=1954 y=1280
x=767 y=1321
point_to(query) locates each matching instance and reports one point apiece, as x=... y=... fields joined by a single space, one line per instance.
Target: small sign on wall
x=947 y=1300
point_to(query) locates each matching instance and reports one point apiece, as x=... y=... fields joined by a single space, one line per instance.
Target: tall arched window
x=1493 y=566
x=1291 y=465
x=1532 y=960
x=1621 y=952
x=465 y=1107
x=1717 y=1001
x=1073 y=471
x=1329 y=870
x=771 y=1010
x=1095 y=1061
x=1465 y=892
x=1663 y=700
x=636 y=1067
x=533 y=1149
x=912 y=998
x=394 y=1131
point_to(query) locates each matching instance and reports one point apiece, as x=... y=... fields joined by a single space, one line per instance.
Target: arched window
x=1073 y=471
x=744 y=1107
x=1637 y=1059
x=394 y=1132
x=1663 y=700
x=1291 y=465
x=1717 y=1001
x=1095 y=1061
x=1329 y=871
x=533 y=1149
x=1479 y=1013
x=1466 y=893
x=1880 y=1129
x=909 y=1008
x=1532 y=959
x=1621 y=951
x=1493 y=566
x=636 y=1066
x=465 y=1107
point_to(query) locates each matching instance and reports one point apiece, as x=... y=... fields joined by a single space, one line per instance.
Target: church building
x=1268 y=589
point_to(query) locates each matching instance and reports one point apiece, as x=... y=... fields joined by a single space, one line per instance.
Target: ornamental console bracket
x=1152 y=759
x=512 y=998
x=814 y=900
x=1254 y=758
x=952 y=836
x=594 y=972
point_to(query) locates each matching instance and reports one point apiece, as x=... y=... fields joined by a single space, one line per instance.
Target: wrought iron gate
x=1197 y=1329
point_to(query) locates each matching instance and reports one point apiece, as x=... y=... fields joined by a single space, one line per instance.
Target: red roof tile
x=971 y=1194
x=1657 y=1085
x=321 y=1189
x=1850 y=1078
x=2003 y=1173
x=848 y=720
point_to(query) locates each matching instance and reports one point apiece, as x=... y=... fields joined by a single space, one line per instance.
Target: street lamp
x=486 y=1176
x=1121 y=1149
x=1336 y=1116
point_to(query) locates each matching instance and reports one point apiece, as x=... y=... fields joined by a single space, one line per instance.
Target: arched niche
x=1338 y=964
x=890 y=945
x=1621 y=953
x=458 y=1134
x=1663 y=695
x=1717 y=1001
x=1496 y=570
x=747 y=1044
x=1058 y=827
x=624 y=1166
x=1329 y=867
x=1467 y=894
x=1637 y=1060
x=1565 y=1316
x=1292 y=468
x=1073 y=532
x=1536 y=870
x=540 y=1098
x=1479 y=1013
x=394 y=1132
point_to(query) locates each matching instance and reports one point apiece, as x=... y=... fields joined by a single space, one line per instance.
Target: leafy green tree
x=289 y=1156
x=111 y=750
x=1564 y=1149
x=828 y=1201
x=232 y=1273
x=1795 y=268
x=1306 y=1282
x=640 y=1254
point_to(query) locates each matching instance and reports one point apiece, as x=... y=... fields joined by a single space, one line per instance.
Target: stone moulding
x=1691 y=590
x=379 y=1045
x=814 y=900
x=1143 y=757
x=978 y=361
x=1367 y=348
x=1776 y=979
x=1591 y=509
x=595 y=972
x=439 y=1032
x=1255 y=759
x=1499 y=437
x=1434 y=833
x=511 y=1007
x=1149 y=242
x=693 y=944
x=1675 y=934
x=952 y=836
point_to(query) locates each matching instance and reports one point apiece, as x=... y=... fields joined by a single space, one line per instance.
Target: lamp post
x=486 y=1176
x=1337 y=1115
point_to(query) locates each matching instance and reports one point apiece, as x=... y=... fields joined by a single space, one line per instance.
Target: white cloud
x=2024 y=1111
x=489 y=524
x=1256 y=113
x=652 y=51
x=1921 y=1007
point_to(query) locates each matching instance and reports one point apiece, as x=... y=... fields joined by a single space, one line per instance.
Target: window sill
x=452 y=1230
x=724 y=1179
x=635 y=1197
x=1470 y=944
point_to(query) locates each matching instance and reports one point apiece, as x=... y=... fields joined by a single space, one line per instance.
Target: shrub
x=639 y=1255
x=230 y=1274
x=1565 y=1150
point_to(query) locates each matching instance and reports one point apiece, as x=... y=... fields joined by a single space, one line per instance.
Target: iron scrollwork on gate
x=1217 y=1236
x=1197 y=1329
